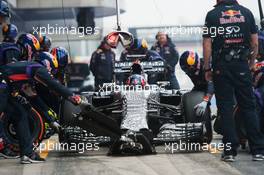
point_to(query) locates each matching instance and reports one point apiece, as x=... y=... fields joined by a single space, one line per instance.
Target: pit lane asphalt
x=97 y=163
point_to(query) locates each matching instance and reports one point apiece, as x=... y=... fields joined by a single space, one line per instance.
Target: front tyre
x=36 y=127
x=189 y=101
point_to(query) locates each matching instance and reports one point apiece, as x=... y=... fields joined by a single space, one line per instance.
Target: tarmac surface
x=164 y=163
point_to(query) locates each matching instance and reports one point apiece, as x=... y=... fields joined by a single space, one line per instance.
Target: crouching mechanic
x=6 y=54
x=9 y=51
x=47 y=100
x=192 y=65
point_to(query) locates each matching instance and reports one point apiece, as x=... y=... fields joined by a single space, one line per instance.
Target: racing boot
x=228 y=158
x=258 y=157
x=32 y=158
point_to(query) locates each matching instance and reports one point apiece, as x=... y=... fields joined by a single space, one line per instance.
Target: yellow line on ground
x=213 y=150
x=44 y=153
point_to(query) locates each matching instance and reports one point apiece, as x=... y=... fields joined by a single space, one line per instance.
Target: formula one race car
x=134 y=117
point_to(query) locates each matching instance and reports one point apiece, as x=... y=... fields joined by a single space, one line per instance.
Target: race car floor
x=164 y=163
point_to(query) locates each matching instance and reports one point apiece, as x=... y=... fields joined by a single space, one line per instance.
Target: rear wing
x=148 y=66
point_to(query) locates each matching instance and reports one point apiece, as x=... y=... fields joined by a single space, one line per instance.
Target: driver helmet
x=136 y=79
x=190 y=62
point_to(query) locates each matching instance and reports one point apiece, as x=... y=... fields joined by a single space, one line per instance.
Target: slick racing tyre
x=189 y=101
x=36 y=129
x=68 y=110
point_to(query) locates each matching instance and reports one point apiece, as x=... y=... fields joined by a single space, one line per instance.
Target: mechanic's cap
x=29 y=45
x=10 y=31
x=189 y=60
x=62 y=56
x=4 y=9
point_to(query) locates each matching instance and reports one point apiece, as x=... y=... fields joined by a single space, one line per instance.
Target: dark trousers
x=19 y=116
x=233 y=79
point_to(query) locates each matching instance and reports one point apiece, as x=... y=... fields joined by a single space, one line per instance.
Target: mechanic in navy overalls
x=7 y=53
x=167 y=51
x=233 y=48
x=101 y=64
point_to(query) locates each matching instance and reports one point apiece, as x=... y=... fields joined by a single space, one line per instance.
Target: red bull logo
x=231 y=13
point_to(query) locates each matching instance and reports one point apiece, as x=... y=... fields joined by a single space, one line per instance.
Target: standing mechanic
x=102 y=63
x=235 y=42
x=167 y=51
